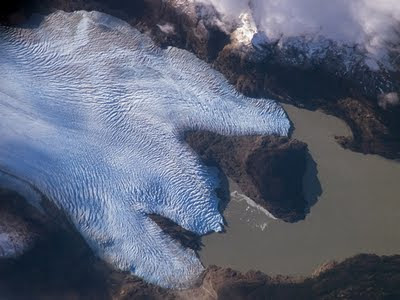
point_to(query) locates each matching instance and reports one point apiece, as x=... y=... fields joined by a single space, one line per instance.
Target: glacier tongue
x=92 y=113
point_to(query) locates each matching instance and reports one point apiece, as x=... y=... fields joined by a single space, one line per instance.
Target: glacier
x=93 y=115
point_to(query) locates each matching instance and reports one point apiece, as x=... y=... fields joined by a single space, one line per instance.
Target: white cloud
x=370 y=23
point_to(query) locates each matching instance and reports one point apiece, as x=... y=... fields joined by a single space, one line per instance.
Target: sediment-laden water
x=357 y=212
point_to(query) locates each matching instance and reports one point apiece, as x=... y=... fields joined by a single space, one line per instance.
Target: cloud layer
x=369 y=23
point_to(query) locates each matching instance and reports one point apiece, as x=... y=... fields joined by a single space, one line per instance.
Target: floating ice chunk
x=251 y=203
x=92 y=114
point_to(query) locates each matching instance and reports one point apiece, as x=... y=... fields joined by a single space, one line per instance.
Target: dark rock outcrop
x=62 y=267
x=268 y=169
x=20 y=225
x=315 y=88
x=187 y=238
x=371 y=131
x=325 y=79
x=360 y=277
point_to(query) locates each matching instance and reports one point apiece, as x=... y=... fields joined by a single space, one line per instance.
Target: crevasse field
x=92 y=114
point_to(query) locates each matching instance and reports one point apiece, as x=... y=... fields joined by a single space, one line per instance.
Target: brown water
x=357 y=212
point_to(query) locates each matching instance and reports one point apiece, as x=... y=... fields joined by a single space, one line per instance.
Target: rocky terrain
x=61 y=266
x=366 y=100
x=316 y=73
x=259 y=165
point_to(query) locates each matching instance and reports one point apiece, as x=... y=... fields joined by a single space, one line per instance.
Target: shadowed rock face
x=372 y=131
x=21 y=225
x=268 y=169
x=56 y=263
x=350 y=97
x=61 y=266
x=15 y=236
x=187 y=238
x=375 y=128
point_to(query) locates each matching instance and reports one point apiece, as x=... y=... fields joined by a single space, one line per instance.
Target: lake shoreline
x=355 y=210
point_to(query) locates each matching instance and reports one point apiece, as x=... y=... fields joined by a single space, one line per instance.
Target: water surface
x=358 y=210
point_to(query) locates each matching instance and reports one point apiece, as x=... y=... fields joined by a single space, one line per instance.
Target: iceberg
x=93 y=115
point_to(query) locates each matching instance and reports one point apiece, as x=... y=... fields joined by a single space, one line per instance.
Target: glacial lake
x=358 y=210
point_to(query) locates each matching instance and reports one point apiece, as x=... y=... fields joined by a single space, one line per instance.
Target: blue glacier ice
x=92 y=114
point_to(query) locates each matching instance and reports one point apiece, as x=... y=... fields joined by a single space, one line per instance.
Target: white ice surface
x=93 y=115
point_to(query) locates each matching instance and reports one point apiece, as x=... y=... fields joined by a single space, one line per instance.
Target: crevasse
x=92 y=114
